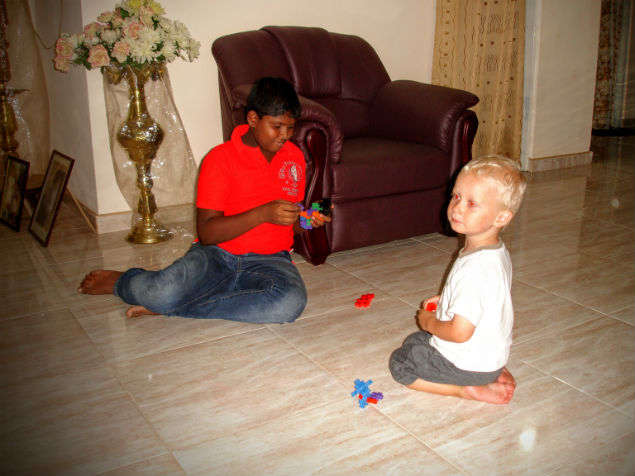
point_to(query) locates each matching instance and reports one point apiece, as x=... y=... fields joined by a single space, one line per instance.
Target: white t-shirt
x=479 y=289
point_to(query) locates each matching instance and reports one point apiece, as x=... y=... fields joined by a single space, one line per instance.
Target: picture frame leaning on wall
x=48 y=204
x=13 y=191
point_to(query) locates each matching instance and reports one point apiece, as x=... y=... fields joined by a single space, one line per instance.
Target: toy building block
x=361 y=388
x=320 y=207
x=431 y=307
x=364 y=300
x=365 y=396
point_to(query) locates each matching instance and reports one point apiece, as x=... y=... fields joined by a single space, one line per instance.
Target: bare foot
x=506 y=377
x=499 y=392
x=138 y=311
x=99 y=281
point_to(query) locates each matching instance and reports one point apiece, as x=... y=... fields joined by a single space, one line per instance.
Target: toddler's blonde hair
x=503 y=173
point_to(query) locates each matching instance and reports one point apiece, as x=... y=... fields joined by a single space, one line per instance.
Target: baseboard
x=112 y=222
x=539 y=164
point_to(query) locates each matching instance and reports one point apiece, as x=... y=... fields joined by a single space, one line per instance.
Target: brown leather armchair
x=385 y=152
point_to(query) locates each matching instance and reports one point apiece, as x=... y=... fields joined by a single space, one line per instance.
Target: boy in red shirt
x=239 y=268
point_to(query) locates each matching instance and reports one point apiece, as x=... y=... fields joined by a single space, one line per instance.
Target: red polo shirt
x=235 y=178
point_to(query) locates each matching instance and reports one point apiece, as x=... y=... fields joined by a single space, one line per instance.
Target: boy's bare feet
x=138 y=311
x=499 y=392
x=99 y=281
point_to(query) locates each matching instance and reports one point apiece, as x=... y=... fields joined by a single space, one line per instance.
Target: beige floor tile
x=337 y=438
x=538 y=313
x=600 y=284
x=19 y=258
x=449 y=244
x=164 y=464
x=415 y=299
x=119 y=338
x=330 y=289
x=595 y=357
x=612 y=457
x=546 y=424
x=626 y=315
x=365 y=340
x=64 y=412
x=85 y=390
x=42 y=345
x=79 y=423
x=599 y=239
x=400 y=269
x=201 y=392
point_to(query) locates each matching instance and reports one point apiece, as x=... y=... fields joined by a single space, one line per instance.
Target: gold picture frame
x=48 y=204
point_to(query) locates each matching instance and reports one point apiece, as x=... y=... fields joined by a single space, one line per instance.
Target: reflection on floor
x=86 y=391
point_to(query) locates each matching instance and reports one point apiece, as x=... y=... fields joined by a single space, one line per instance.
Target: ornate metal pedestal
x=141 y=136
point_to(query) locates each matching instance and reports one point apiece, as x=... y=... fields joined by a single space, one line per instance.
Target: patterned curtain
x=479 y=47
x=614 y=79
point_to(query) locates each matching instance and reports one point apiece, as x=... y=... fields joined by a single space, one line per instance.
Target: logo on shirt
x=291 y=173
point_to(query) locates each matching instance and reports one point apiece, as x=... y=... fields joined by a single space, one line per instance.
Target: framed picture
x=48 y=204
x=13 y=191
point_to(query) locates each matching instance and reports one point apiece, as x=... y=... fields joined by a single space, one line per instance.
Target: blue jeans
x=211 y=283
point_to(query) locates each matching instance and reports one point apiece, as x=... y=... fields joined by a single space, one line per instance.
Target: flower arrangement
x=134 y=34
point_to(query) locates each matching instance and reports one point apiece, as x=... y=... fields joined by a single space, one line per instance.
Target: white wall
x=402 y=32
x=561 y=39
x=560 y=67
x=68 y=98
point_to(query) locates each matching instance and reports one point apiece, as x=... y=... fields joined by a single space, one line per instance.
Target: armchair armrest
x=413 y=111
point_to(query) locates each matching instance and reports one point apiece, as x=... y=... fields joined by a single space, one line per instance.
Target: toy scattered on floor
x=365 y=396
x=431 y=306
x=364 y=300
x=321 y=206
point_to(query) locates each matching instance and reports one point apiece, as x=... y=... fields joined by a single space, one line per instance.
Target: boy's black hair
x=273 y=97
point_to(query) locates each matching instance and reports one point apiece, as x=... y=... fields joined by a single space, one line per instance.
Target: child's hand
x=431 y=300
x=281 y=212
x=425 y=317
x=320 y=220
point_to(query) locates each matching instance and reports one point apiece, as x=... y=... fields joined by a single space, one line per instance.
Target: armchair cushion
x=351 y=115
x=376 y=167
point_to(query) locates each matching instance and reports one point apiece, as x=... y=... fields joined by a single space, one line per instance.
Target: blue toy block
x=362 y=392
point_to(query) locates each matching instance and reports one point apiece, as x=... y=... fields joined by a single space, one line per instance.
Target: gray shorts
x=416 y=358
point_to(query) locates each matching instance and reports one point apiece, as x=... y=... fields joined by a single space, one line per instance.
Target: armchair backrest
x=341 y=72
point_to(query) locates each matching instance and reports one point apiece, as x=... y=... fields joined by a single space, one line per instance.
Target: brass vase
x=141 y=136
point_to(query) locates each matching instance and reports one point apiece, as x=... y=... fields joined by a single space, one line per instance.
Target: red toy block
x=364 y=300
x=369 y=399
x=431 y=307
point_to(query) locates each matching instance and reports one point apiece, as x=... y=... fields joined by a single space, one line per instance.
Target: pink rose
x=61 y=64
x=145 y=15
x=98 y=56
x=120 y=51
x=117 y=22
x=132 y=29
x=64 y=48
x=105 y=17
x=90 y=30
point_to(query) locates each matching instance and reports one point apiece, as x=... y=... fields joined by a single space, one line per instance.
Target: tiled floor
x=86 y=391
